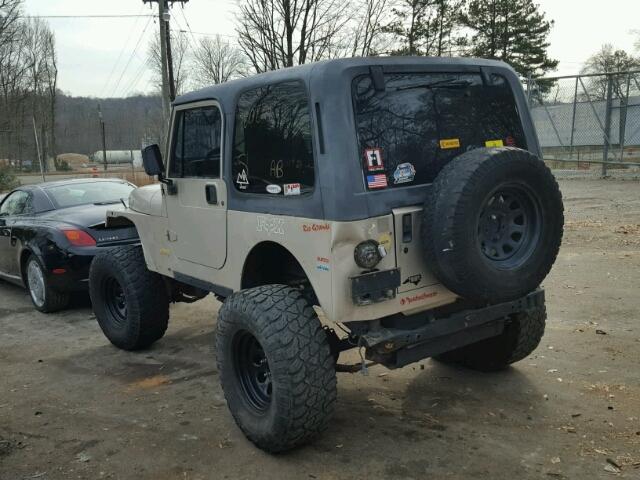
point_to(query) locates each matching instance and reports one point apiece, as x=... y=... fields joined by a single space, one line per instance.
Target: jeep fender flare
x=259 y=268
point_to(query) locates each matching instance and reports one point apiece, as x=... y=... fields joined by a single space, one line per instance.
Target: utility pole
x=168 y=82
x=35 y=135
x=104 y=138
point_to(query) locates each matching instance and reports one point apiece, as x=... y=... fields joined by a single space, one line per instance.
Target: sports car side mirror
x=152 y=160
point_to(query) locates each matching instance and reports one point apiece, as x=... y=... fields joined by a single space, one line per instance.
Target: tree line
x=269 y=34
x=273 y=34
x=28 y=85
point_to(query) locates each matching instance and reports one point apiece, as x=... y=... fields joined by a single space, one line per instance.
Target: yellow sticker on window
x=450 y=143
x=494 y=143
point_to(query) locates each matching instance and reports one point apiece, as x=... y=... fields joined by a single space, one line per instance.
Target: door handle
x=211 y=193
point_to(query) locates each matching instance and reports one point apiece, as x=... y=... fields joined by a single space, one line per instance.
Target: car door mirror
x=152 y=160
x=3 y=222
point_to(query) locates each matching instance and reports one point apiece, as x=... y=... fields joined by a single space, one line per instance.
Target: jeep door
x=196 y=204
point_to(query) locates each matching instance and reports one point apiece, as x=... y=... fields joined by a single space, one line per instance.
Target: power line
x=124 y=46
x=85 y=16
x=136 y=80
x=135 y=49
x=195 y=42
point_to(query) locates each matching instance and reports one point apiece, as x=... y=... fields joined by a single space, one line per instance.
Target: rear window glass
x=100 y=193
x=272 y=150
x=408 y=132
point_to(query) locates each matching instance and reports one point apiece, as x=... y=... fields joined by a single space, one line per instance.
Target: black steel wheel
x=252 y=368
x=509 y=225
x=131 y=303
x=275 y=365
x=115 y=300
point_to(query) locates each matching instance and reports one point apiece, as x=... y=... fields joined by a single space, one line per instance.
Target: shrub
x=8 y=180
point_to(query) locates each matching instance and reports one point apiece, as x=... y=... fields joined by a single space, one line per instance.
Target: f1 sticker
x=275 y=189
x=242 y=180
x=373 y=156
x=450 y=143
x=405 y=173
x=493 y=143
x=377 y=181
x=291 y=189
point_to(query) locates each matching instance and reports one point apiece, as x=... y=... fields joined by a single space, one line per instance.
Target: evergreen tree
x=425 y=27
x=514 y=31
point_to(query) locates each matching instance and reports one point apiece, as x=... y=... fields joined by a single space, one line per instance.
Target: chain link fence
x=588 y=122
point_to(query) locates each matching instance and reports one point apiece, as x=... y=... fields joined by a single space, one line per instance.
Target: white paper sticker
x=292 y=189
x=275 y=189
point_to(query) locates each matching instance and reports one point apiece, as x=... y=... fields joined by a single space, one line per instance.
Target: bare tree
x=216 y=60
x=180 y=49
x=425 y=27
x=28 y=90
x=612 y=61
x=9 y=14
x=282 y=33
x=367 y=32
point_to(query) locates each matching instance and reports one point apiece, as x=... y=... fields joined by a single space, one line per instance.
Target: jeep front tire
x=130 y=302
x=275 y=366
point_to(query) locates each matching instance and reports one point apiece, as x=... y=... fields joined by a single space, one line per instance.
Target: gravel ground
x=72 y=406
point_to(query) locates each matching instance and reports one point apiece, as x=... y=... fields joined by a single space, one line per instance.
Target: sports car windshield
x=90 y=193
x=421 y=121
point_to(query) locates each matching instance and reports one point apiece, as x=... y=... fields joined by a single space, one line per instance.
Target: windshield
x=421 y=121
x=100 y=193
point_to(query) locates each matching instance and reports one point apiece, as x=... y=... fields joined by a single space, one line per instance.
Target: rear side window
x=272 y=149
x=196 y=143
x=17 y=203
x=420 y=122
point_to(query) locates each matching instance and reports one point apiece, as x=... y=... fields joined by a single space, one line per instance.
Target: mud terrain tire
x=521 y=336
x=275 y=366
x=493 y=224
x=130 y=302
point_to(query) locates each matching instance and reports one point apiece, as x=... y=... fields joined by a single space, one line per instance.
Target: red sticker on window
x=373 y=159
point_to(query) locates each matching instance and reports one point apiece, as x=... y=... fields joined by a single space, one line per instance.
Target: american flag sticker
x=377 y=181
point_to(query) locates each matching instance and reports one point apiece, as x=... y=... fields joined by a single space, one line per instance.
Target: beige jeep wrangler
x=401 y=199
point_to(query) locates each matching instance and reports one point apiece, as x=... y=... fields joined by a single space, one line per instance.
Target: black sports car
x=50 y=232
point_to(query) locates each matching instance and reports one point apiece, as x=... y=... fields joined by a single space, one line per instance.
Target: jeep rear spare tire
x=493 y=224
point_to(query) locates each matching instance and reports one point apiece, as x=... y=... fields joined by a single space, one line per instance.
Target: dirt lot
x=72 y=406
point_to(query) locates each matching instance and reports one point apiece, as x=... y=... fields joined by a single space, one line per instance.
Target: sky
x=107 y=57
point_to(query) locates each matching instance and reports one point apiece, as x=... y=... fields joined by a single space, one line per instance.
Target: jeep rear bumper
x=397 y=347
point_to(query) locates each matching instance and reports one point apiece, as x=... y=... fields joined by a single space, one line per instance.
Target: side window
x=196 y=149
x=17 y=203
x=272 y=147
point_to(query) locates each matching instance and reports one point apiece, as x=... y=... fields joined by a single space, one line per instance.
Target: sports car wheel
x=43 y=297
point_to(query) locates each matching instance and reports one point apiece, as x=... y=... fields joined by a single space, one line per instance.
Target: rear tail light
x=79 y=238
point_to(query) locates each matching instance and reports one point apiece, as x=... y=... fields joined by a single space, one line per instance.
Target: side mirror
x=152 y=161
x=3 y=222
